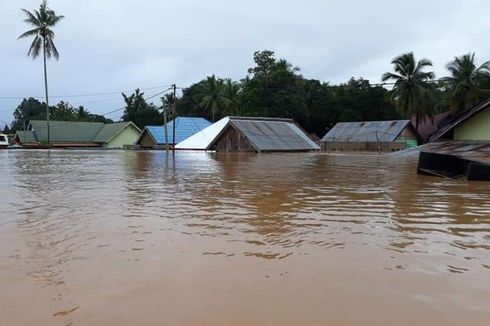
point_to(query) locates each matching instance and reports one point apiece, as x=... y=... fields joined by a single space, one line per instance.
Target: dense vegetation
x=275 y=88
x=33 y=109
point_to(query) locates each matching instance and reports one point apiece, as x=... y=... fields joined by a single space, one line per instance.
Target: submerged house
x=246 y=134
x=471 y=125
x=384 y=136
x=154 y=136
x=78 y=134
x=429 y=126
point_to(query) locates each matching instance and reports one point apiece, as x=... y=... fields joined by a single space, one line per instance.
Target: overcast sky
x=115 y=45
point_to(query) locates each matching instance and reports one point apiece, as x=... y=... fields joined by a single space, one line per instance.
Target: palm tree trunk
x=46 y=85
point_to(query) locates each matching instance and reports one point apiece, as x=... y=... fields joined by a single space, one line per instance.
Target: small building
x=78 y=134
x=246 y=134
x=470 y=125
x=383 y=136
x=154 y=136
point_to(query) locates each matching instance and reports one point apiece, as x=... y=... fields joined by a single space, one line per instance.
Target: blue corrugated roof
x=184 y=128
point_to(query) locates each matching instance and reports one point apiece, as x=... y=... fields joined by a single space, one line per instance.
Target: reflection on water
x=73 y=219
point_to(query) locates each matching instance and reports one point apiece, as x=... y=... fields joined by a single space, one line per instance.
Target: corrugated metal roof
x=202 y=140
x=26 y=136
x=274 y=134
x=76 y=131
x=185 y=127
x=109 y=130
x=366 y=131
x=66 y=131
x=265 y=134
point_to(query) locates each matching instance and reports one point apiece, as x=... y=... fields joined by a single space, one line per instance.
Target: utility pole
x=165 y=125
x=175 y=115
x=46 y=88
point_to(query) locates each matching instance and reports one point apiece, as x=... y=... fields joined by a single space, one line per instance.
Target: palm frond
x=35 y=48
x=32 y=32
x=31 y=19
x=390 y=76
x=51 y=49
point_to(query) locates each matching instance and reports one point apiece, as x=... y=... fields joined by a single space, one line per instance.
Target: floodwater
x=141 y=238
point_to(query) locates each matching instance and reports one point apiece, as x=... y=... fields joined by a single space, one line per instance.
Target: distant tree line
x=275 y=88
x=33 y=109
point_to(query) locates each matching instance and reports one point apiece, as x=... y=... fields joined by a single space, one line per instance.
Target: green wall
x=475 y=128
x=126 y=137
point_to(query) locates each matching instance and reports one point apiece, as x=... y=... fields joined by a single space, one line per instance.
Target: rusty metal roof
x=366 y=131
x=272 y=134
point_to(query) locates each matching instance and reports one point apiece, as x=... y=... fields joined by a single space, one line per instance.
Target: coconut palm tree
x=43 y=20
x=213 y=98
x=412 y=89
x=465 y=84
x=231 y=90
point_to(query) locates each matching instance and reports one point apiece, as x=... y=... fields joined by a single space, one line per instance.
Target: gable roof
x=202 y=139
x=465 y=115
x=184 y=128
x=65 y=131
x=111 y=130
x=430 y=125
x=366 y=131
x=25 y=136
x=264 y=134
x=76 y=131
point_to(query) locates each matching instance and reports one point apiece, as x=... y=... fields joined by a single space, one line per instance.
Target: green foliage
x=212 y=97
x=43 y=20
x=140 y=112
x=32 y=109
x=467 y=84
x=274 y=88
x=413 y=89
x=28 y=109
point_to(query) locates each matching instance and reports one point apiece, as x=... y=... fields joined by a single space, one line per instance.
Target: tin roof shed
x=247 y=133
x=367 y=131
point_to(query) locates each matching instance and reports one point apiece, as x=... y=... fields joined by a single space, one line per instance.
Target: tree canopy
x=33 y=109
x=276 y=88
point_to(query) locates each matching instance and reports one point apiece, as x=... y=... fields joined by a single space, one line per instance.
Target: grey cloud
x=121 y=45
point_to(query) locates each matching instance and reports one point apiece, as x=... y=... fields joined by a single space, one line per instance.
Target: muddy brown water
x=141 y=238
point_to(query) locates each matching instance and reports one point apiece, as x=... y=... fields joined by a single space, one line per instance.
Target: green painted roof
x=75 y=131
x=110 y=130
x=26 y=136
x=66 y=131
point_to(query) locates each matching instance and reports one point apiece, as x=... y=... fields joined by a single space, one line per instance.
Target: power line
x=113 y=111
x=80 y=95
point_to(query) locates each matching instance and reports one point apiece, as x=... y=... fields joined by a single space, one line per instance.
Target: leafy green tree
x=82 y=114
x=63 y=111
x=140 y=112
x=467 y=84
x=412 y=92
x=264 y=63
x=273 y=89
x=6 y=130
x=43 y=21
x=28 y=109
